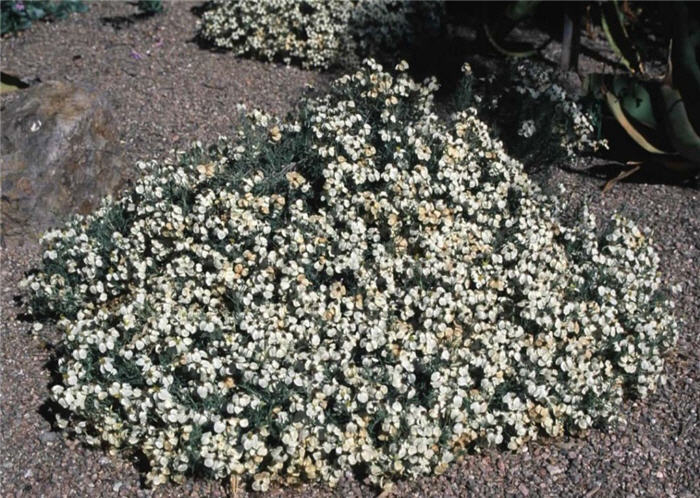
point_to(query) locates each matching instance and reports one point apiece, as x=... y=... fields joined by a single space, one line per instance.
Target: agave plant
x=612 y=22
x=662 y=116
x=499 y=21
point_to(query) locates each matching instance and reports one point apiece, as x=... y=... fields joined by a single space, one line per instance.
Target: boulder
x=60 y=155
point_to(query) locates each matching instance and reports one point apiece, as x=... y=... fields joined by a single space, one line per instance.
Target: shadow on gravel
x=198 y=39
x=50 y=408
x=650 y=173
x=208 y=45
x=199 y=10
x=22 y=316
x=121 y=22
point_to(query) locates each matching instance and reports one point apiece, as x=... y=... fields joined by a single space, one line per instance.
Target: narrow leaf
x=635 y=100
x=680 y=131
x=614 y=105
x=507 y=52
x=623 y=174
x=616 y=34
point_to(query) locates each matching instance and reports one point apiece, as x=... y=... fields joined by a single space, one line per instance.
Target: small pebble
x=48 y=437
x=555 y=469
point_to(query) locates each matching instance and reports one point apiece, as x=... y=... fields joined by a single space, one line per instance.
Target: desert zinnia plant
x=315 y=33
x=365 y=287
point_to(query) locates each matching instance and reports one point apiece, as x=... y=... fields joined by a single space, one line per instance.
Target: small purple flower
x=18 y=6
x=136 y=55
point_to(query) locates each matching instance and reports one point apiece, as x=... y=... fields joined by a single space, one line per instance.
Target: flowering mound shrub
x=317 y=33
x=368 y=288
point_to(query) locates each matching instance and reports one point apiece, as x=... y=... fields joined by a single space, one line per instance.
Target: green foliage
x=150 y=6
x=320 y=34
x=18 y=15
x=612 y=21
x=525 y=105
x=662 y=115
x=499 y=19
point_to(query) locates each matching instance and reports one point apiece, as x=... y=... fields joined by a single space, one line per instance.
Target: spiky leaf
x=680 y=132
x=635 y=100
x=615 y=32
x=634 y=133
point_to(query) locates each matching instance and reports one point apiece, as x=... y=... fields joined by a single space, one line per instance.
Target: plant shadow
x=121 y=22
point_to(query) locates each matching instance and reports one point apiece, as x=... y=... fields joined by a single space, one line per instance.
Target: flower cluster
x=317 y=33
x=578 y=134
x=536 y=117
x=369 y=288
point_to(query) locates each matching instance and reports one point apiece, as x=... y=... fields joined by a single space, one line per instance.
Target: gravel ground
x=166 y=90
x=179 y=93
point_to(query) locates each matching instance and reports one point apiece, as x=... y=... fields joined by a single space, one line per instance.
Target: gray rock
x=59 y=156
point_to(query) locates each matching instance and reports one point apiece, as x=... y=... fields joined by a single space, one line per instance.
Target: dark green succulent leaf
x=34 y=12
x=635 y=132
x=615 y=32
x=620 y=92
x=684 y=72
x=694 y=39
x=150 y=6
x=678 y=127
x=635 y=99
x=521 y=9
x=17 y=16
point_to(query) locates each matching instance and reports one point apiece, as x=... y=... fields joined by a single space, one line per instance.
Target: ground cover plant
x=364 y=286
x=535 y=116
x=150 y=6
x=18 y=15
x=528 y=108
x=315 y=33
